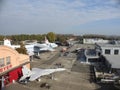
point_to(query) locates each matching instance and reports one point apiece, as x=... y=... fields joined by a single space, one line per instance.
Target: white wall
x=112 y=50
x=94 y=40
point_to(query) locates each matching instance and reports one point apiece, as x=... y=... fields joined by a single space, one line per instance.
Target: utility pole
x=2 y=83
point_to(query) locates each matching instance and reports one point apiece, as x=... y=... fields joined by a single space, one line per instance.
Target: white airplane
x=36 y=73
x=52 y=45
x=45 y=44
x=33 y=48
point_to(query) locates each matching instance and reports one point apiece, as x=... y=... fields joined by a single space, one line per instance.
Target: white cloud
x=56 y=14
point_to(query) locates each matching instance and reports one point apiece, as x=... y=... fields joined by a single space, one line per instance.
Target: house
x=11 y=63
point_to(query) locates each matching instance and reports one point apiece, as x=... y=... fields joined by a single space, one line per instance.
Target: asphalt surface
x=51 y=60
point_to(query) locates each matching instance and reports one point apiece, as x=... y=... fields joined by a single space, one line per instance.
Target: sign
x=5 y=68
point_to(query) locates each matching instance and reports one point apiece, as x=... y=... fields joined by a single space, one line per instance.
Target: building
x=111 y=53
x=94 y=41
x=109 y=49
x=108 y=70
x=11 y=63
x=91 y=56
x=88 y=56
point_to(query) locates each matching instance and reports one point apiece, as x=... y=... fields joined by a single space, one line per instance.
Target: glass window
x=116 y=52
x=107 y=51
x=2 y=63
x=8 y=60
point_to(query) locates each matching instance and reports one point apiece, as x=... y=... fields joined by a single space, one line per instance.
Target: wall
x=112 y=50
x=15 y=57
x=94 y=40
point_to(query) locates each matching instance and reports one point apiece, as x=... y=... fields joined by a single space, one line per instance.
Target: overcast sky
x=60 y=16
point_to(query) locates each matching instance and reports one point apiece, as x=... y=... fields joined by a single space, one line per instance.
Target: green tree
x=22 y=49
x=51 y=36
x=1 y=37
x=61 y=39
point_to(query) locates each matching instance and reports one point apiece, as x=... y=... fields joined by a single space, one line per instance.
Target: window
x=116 y=52
x=2 y=62
x=107 y=51
x=92 y=60
x=8 y=60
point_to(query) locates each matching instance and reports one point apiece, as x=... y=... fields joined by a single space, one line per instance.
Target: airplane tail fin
x=26 y=73
x=46 y=40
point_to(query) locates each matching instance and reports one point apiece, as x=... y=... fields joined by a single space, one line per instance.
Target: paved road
x=81 y=68
x=85 y=70
x=51 y=60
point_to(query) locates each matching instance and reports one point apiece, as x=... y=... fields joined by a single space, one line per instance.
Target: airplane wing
x=50 y=49
x=43 y=49
x=37 y=72
x=37 y=49
x=41 y=45
x=42 y=72
x=53 y=45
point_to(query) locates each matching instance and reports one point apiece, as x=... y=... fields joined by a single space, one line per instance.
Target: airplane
x=53 y=45
x=33 y=47
x=36 y=73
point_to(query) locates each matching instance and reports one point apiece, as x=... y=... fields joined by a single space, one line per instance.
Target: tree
x=51 y=36
x=61 y=39
x=1 y=37
x=22 y=49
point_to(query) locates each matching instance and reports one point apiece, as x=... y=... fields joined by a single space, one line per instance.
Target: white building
x=94 y=40
x=109 y=49
x=110 y=57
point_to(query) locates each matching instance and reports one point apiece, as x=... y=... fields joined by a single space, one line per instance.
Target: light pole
x=2 y=83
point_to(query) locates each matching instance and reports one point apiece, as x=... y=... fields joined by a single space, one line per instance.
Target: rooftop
x=109 y=45
x=114 y=60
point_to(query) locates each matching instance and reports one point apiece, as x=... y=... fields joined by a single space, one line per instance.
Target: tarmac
x=77 y=76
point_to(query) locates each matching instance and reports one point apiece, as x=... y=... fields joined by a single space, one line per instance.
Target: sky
x=60 y=16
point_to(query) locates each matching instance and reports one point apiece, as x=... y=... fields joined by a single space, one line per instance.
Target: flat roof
x=109 y=45
x=114 y=60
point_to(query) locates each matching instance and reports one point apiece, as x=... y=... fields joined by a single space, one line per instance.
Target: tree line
x=21 y=37
x=105 y=37
x=51 y=36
